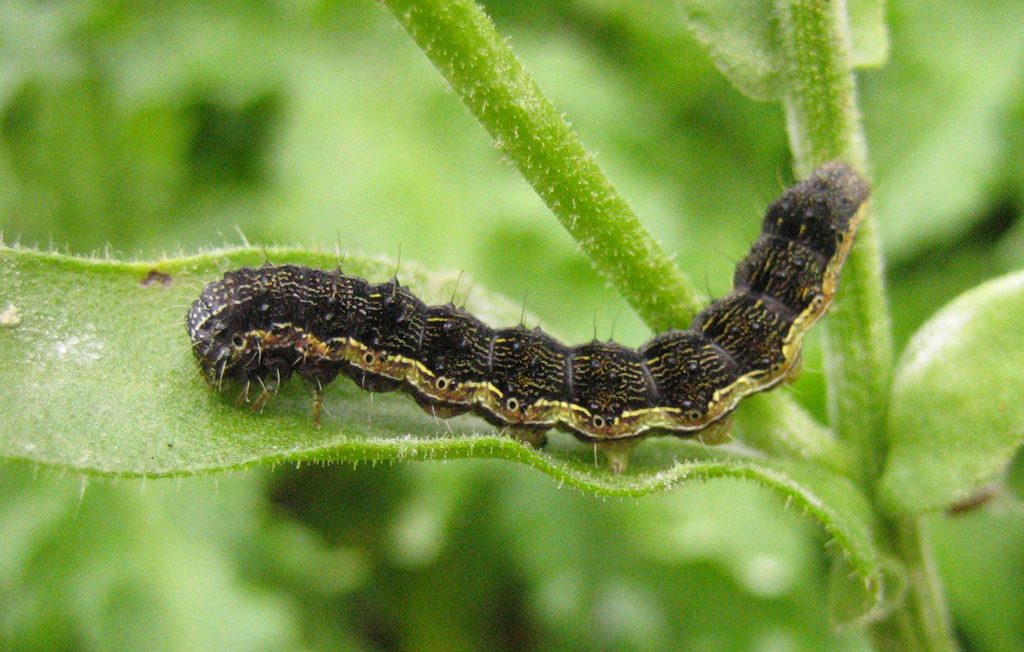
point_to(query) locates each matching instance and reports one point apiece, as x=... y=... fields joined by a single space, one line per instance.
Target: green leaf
x=957 y=416
x=863 y=595
x=742 y=38
x=99 y=379
x=851 y=606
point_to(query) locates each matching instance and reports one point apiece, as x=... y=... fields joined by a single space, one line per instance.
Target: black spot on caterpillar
x=264 y=324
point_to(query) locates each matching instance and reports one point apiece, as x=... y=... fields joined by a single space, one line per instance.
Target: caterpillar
x=261 y=325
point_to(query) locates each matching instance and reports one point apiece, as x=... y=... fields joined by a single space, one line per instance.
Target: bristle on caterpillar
x=259 y=326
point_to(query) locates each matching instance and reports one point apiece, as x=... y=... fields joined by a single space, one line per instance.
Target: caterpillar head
x=219 y=348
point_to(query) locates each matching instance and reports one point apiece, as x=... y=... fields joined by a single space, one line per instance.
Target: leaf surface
x=957 y=416
x=741 y=37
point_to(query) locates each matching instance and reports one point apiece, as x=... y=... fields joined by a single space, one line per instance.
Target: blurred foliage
x=150 y=127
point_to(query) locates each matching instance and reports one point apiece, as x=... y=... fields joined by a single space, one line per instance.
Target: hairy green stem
x=926 y=599
x=923 y=621
x=824 y=124
x=461 y=42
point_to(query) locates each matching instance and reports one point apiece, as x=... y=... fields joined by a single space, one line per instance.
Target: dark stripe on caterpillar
x=264 y=324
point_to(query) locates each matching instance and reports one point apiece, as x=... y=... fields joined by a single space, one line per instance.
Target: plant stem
x=462 y=43
x=923 y=622
x=926 y=597
x=824 y=124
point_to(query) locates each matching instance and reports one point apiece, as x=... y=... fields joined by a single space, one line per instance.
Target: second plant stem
x=824 y=124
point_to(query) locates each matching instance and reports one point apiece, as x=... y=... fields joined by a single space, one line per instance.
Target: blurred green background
x=144 y=128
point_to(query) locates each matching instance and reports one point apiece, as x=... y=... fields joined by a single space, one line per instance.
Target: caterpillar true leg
x=269 y=388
